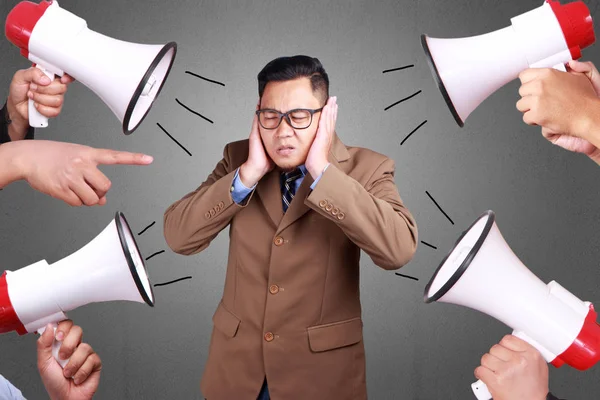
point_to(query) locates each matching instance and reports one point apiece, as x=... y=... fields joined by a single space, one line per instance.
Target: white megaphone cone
x=108 y=268
x=126 y=76
x=468 y=70
x=481 y=272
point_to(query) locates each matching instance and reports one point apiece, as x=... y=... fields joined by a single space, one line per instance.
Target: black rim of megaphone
x=440 y=83
x=466 y=262
x=136 y=278
x=142 y=85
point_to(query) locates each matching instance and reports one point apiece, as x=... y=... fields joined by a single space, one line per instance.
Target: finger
x=46 y=111
x=514 y=343
x=484 y=374
x=70 y=198
x=86 y=193
x=53 y=101
x=492 y=362
x=55 y=88
x=70 y=342
x=67 y=79
x=102 y=201
x=578 y=66
x=91 y=365
x=63 y=329
x=528 y=75
x=501 y=352
x=524 y=104
x=110 y=157
x=31 y=75
x=530 y=88
x=78 y=359
x=530 y=118
x=44 y=344
x=97 y=181
x=548 y=134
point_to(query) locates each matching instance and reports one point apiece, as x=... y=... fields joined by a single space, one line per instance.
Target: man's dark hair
x=288 y=68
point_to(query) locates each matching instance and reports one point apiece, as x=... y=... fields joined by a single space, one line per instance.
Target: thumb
x=44 y=344
x=578 y=66
x=31 y=75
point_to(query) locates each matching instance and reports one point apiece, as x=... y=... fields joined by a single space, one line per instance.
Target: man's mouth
x=285 y=150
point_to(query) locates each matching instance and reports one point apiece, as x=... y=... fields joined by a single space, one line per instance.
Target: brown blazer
x=291 y=308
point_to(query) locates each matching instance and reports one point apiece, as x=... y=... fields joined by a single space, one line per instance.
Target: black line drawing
x=438 y=206
x=155 y=254
x=192 y=111
x=400 y=101
x=170 y=282
x=172 y=138
x=398 y=69
x=146 y=228
x=414 y=130
x=406 y=276
x=206 y=79
x=430 y=245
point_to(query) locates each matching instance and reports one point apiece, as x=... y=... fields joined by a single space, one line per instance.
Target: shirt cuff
x=239 y=191
x=319 y=177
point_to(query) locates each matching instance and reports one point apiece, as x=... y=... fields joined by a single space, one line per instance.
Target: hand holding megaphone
x=80 y=378
x=128 y=77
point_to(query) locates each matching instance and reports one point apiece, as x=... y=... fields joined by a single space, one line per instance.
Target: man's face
x=288 y=147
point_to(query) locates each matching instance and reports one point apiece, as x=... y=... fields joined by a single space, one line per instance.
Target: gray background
x=546 y=199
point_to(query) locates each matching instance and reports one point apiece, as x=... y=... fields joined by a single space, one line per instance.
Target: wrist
x=17 y=125
x=249 y=176
x=16 y=166
x=588 y=126
x=316 y=169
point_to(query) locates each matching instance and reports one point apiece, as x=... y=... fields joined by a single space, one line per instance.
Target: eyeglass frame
x=286 y=115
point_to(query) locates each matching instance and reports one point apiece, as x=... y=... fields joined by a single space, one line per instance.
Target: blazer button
x=221 y=205
x=207 y=215
x=212 y=212
x=278 y=241
x=335 y=211
x=269 y=336
x=273 y=289
x=329 y=207
x=322 y=203
x=341 y=216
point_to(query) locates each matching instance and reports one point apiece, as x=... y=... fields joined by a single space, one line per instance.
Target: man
x=515 y=370
x=79 y=379
x=565 y=105
x=62 y=170
x=300 y=205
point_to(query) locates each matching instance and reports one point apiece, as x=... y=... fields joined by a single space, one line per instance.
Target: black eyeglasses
x=299 y=118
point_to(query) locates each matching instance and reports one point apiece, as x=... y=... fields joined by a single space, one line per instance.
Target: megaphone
x=481 y=272
x=108 y=268
x=126 y=76
x=468 y=70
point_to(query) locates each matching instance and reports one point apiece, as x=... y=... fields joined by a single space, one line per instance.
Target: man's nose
x=284 y=129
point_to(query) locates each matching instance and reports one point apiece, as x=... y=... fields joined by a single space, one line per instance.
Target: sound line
x=398 y=69
x=170 y=282
x=206 y=79
x=192 y=111
x=146 y=228
x=406 y=276
x=438 y=206
x=172 y=138
x=155 y=254
x=430 y=245
x=400 y=101
x=414 y=130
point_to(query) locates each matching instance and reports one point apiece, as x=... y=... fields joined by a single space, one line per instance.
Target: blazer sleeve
x=552 y=397
x=191 y=223
x=4 y=137
x=372 y=216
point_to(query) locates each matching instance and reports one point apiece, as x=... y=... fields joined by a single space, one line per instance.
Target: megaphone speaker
x=128 y=77
x=468 y=70
x=481 y=272
x=108 y=268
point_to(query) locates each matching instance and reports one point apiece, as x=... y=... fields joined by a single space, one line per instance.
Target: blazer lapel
x=269 y=191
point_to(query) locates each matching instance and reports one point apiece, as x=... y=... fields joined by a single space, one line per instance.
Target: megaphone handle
x=55 y=345
x=37 y=120
x=560 y=67
x=481 y=391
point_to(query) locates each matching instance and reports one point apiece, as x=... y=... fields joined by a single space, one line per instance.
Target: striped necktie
x=288 y=188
